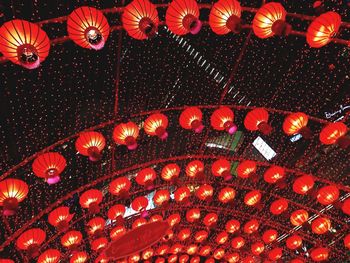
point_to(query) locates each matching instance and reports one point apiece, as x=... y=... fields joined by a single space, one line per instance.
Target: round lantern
x=184 y=234
x=205 y=192
x=232 y=258
x=237 y=242
x=116 y=213
x=101 y=259
x=79 y=257
x=91 y=200
x=88 y=27
x=269 y=236
x=205 y=251
x=252 y=198
x=31 y=240
x=195 y=259
x=297 y=123
x=274 y=174
x=246 y=168
x=222 y=119
x=303 y=184
x=182 y=17
x=145 y=177
x=90 y=144
x=320 y=225
x=192 y=249
x=201 y=236
x=126 y=134
x=176 y=248
x=275 y=254
x=95 y=226
x=294 y=242
x=323 y=29
x=232 y=226
x=279 y=206
x=170 y=172
x=147 y=254
x=140 y=19
x=222 y=168
x=71 y=239
x=335 y=133
x=156 y=124
x=161 y=197
x=162 y=250
x=210 y=219
x=49 y=166
x=328 y=195
x=319 y=254
x=12 y=192
x=219 y=253
x=24 y=43
x=174 y=219
x=257 y=248
x=226 y=195
x=346 y=206
x=221 y=238
x=99 y=244
x=182 y=194
x=347 y=241
x=193 y=215
x=117 y=232
x=183 y=258
x=257 y=119
x=299 y=217
x=191 y=119
x=195 y=169
x=60 y=218
x=49 y=256
x=139 y=204
x=120 y=187
x=251 y=226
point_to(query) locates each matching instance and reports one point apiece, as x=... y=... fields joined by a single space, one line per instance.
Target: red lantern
x=117 y=232
x=232 y=258
x=251 y=226
x=221 y=238
x=126 y=134
x=297 y=123
x=222 y=119
x=156 y=124
x=31 y=240
x=182 y=194
x=49 y=166
x=117 y=212
x=252 y=198
x=225 y=16
x=193 y=215
x=319 y=254
x=162 y=250
x=60 y=218
x=226 y=195
x=161 y=197
x=146 y=177
x=182 y=17
x=49 y=256
x=96 y=226
x=210 y=219
x=195 y=259
x=303 y=184
x=24 y=43
x=275 y=254
x=335 y=133
x=170 y=172
x=323 y=29
x=274 y=174
x=321 y=225
x=201 y=236
x=147 y=254
x=71 y=239
x=299 y=217
x=174 y=219
x=237 y=242
x=248 y=259
x=257 y=248
x=101 y=259
x=346 y=206
x=184 y=234
x=88 y=27
x=99 y=244
x=176 y=248
x=120 y=187
x=279 y=206
x=183 y=258
x=205 y=192
x=79 y=257
x=257 y=119
x=139 y=205
x=328 y=195
x=222 y=168
x=134 y=258
x=294 y=242
x=246 y=168
x=90 y=144
x=205 y=251
x=347 y=241
x=192 y=249
x=232 y=226
x=191 y=119
x=12 y=192
x=140 y=19
x=91 y=200
x=195 y=169
x=219 y=253
x=269 y=236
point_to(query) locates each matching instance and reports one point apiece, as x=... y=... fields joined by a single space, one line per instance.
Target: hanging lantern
x=196 y=259
x=219 y=253
x=139 y=204
x=192 y=249
x=297 y=123
x=79 y=257
x=293 y=242
x=90 y=144
x=319 y=254
x=303 y=184
x=120 y=187
x=60 y=218
x=222 y=168
x=134 y=258
x=347 y=241
x=91 y=200
x=182 y=17
x=140 y=19
x=12 y=192
x=210 y=219
x=252 y=198
x=225 y=17
x=323 y=29
x=257 y=119
x=222 y=119
x=195 y=169
x=147 y=254
x=205 y=192
x=99 y=244
x=126 y=134
x=246 y=169
x=182 y=194
x=193 y=215
x=191 y=119
x=101 y=259
x=139 y=222
x=88 y=27
x=24 y=43
x=71 y=239
x=232 y=226
x=183 y=258
x=346 y=206
x=232 y=258
x=335 y=133
x=269 y=236
x=275 y=254
x=321 y=225
x=221 y=238
x=205 y=251
x=257 y=248
x=174 y=219
x=251 y=226
x=49 y=166
x=176 y=248
x=201 y=236
x=226 y=195
x=162 y=250
x=274 y=174
x=145 y=177
x=117 y=232
x=156 y=124
x=116 y=213
x=96 y=226
x=49 y=256
x=237 y=242
x=161 y=197
x=170 y=172
x=299 y=217
x=328 y=195
x=30 y=241
x=184 y=234
x=279 y=206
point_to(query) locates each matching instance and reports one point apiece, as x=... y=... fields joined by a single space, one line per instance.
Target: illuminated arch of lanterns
x=26 y=44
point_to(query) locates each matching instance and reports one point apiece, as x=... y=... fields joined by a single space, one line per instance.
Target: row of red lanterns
x=24 y=43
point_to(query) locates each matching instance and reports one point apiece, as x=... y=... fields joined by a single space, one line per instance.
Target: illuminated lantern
x=146 y=177
x=210 y=219
x=193 y=215
x=232 y=226
x=12 y=192
x=195 y=169
x=237 y=242
x=182 y=194
x=49 y=256
x=162 y=250
x=101 y=259
x=293 y=242
x=156 y=124
x=126 y=134
x=140 y=19
x=184 y=234
x=134 y=258
x=278 y=206
x=183 y=258
x=225 y=17
x=91 y=200
x=219 y=253
x=161 y=197
x=222 y=168
x=88 y=27
x=248 y=259
x=320 y=225
x=303 y=184
x=299 y=217
x=172 y=259
x=205 y=251
x=31 y=240
x=160 y=260
x=274 y=174
x=328 y=195
x=205 y=192
x=117 y=232
x=79 y=257
x=168 y=235
x=335 y=133
x=201 y=236
x=232 y=258
x=251 y=226
x=170 y=172
x=120 y=187
x=49 y=166
x=71 y=239
x=347 y=241
x=221 y=238
x=96 y=226
x=176 y=248
x=192 y=249
x=174 y=219
x=269 y=236
x=191 y=119
x=222 y=119
x=117 y=212
x=24 y=43
x=275 y=254
x=257 y=248
x=257 y=119
x=90 y=144
x=323 y=29
x=139 y=205
x=246 y=168
x=346 y=206
x=60 y=218
x=147 y=254
x=297 y=123
x=195 y=259
x=182 y=17
x=99 y=244
x=252 y=198
x=226 y=195
x=269 y=20
x=319 y=254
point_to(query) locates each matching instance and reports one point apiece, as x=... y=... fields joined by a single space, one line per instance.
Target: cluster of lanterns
x=26 y=44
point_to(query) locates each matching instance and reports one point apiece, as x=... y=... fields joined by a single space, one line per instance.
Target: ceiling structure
x=77 y=89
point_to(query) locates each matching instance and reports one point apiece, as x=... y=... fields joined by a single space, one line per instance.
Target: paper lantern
x=210 y=219
x=71 y=239
x=226 y=195
x=162 y=250
x=320 y=225
x=219 y=253
x=161 y=197
x=205 y=251
x=196 y=259
x=237 y=242
x=232 y=258
x=145 y=177
x=274 y=174
x=95 y=226
x=299 y=217
x=275 y=253
x=182 y=194
x=49 y=256
x=246 y=169
x=170 y=172
x=90 y=144
x=126 y=134
x=174 y=219
x=184 y=234
x=222 y=168
x=195 y=169
x=221 y=238
x=193 y=215
x=328 y=195
x=191 y=119
x=12 y=192
x=192 y=249
x=257 y=248
x=347 y=241
x=120 y=187
x=257 y=119
x=319 y=254
x=60 y=218
x=147 y=254
x=279 y=206
x=293 y=242
x=117 y=212
x=297 y=123
x=91 y=200
x=303 y=184
x=251 y=226
x=232 y=226
x=269 y=236
x=176 y=248
x=139 y=204
x=252 y=198
x=346 y=206
x=156 y=124
x=31 y=240
x=222 y=120
x=116 y=232
x=99 y=244
x=205 y=192
x=201 y=236
x=79 y=257
x=335 y=133
x=49 y=166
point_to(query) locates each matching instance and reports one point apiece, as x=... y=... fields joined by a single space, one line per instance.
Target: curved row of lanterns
x=26 y=44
